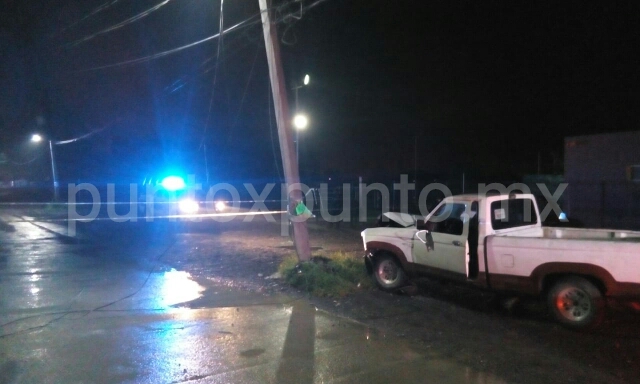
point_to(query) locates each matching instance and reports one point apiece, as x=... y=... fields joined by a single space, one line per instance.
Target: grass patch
x=337 y=275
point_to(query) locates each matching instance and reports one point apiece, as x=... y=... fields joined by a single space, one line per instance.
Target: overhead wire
x=289 y=19
x=218 y=61
x=120 y=24
x=61 y=142
x=26 y=162
x=244 y=94
x=215 y=74
x=94 y=12
x=182 y=80
x=220 y=43
x=243 y=24
x=250 y=21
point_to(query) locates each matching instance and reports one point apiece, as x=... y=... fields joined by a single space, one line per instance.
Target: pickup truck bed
x=523 y=263
x=590 y=234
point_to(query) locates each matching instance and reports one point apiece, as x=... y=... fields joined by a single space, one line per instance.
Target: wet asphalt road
x=103 y=307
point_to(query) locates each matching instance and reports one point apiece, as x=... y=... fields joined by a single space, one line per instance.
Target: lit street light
x=37 y=139
x=300 y=121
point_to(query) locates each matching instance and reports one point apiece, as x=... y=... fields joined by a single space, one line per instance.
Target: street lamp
x=300 y=121
x=36 y=138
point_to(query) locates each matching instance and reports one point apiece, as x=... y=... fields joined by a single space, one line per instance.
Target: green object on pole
x=302 y=210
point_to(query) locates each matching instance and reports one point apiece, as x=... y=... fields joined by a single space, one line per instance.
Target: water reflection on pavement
x=107 y=312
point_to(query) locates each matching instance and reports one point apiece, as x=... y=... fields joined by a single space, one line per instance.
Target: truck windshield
x=512 y=213
x=448 y=219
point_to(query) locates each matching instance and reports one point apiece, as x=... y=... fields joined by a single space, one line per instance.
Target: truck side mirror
x=428 y=239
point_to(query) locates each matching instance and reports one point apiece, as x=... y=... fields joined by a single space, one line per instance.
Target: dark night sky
x=477 y=87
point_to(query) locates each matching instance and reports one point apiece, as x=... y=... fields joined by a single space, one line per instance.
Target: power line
x=215 y=73
x=183 y=80
x=243 y=24
x=244 y=94
x=61 y=142
x=26 y=162
x=119 y=25
x=95 y=11
x=81 y=137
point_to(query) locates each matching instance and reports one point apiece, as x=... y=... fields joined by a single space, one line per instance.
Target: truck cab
x=448 y=241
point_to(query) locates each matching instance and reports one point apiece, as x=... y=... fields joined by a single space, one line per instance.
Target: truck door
x=443 y=244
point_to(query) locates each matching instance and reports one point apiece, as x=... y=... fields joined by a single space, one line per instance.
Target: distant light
x=300 y=121
x=563 y=216
x=220 y=206
x=306 y=79
x=36 y=138
x=188 y=206
x=173 y=183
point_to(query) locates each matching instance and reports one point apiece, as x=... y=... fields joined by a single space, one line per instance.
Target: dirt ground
x=520 y=344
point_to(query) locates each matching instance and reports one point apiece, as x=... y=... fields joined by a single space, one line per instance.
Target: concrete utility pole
x=283 y=120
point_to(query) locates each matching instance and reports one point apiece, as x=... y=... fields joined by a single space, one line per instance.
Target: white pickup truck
x=498 y=243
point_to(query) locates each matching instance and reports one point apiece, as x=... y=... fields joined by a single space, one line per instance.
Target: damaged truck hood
x=405 y=220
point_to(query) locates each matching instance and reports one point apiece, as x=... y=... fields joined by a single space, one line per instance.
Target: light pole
x=300 y=121
x=37 y=139
x=305 y=81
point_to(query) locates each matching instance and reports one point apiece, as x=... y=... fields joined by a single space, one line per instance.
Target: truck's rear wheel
x=576 y=303
x=388 y=273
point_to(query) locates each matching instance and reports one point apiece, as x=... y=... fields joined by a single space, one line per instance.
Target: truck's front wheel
x=576 y=303
x=388 y=273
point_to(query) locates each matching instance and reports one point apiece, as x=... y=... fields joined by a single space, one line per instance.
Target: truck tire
x=388 y=273
x=576 y=303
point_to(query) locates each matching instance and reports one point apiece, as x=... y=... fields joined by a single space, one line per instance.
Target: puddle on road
x=178 y=287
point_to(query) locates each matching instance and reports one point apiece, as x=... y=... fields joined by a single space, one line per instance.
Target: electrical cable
x=61 y=142
x=26 y=162
x=85 y=312
x=183 y=80
x=95 y=11
x=215 y=75
x=289 y=19
x=241 y=25
x=141 y=286
x=119 y=25
x=244 y=94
